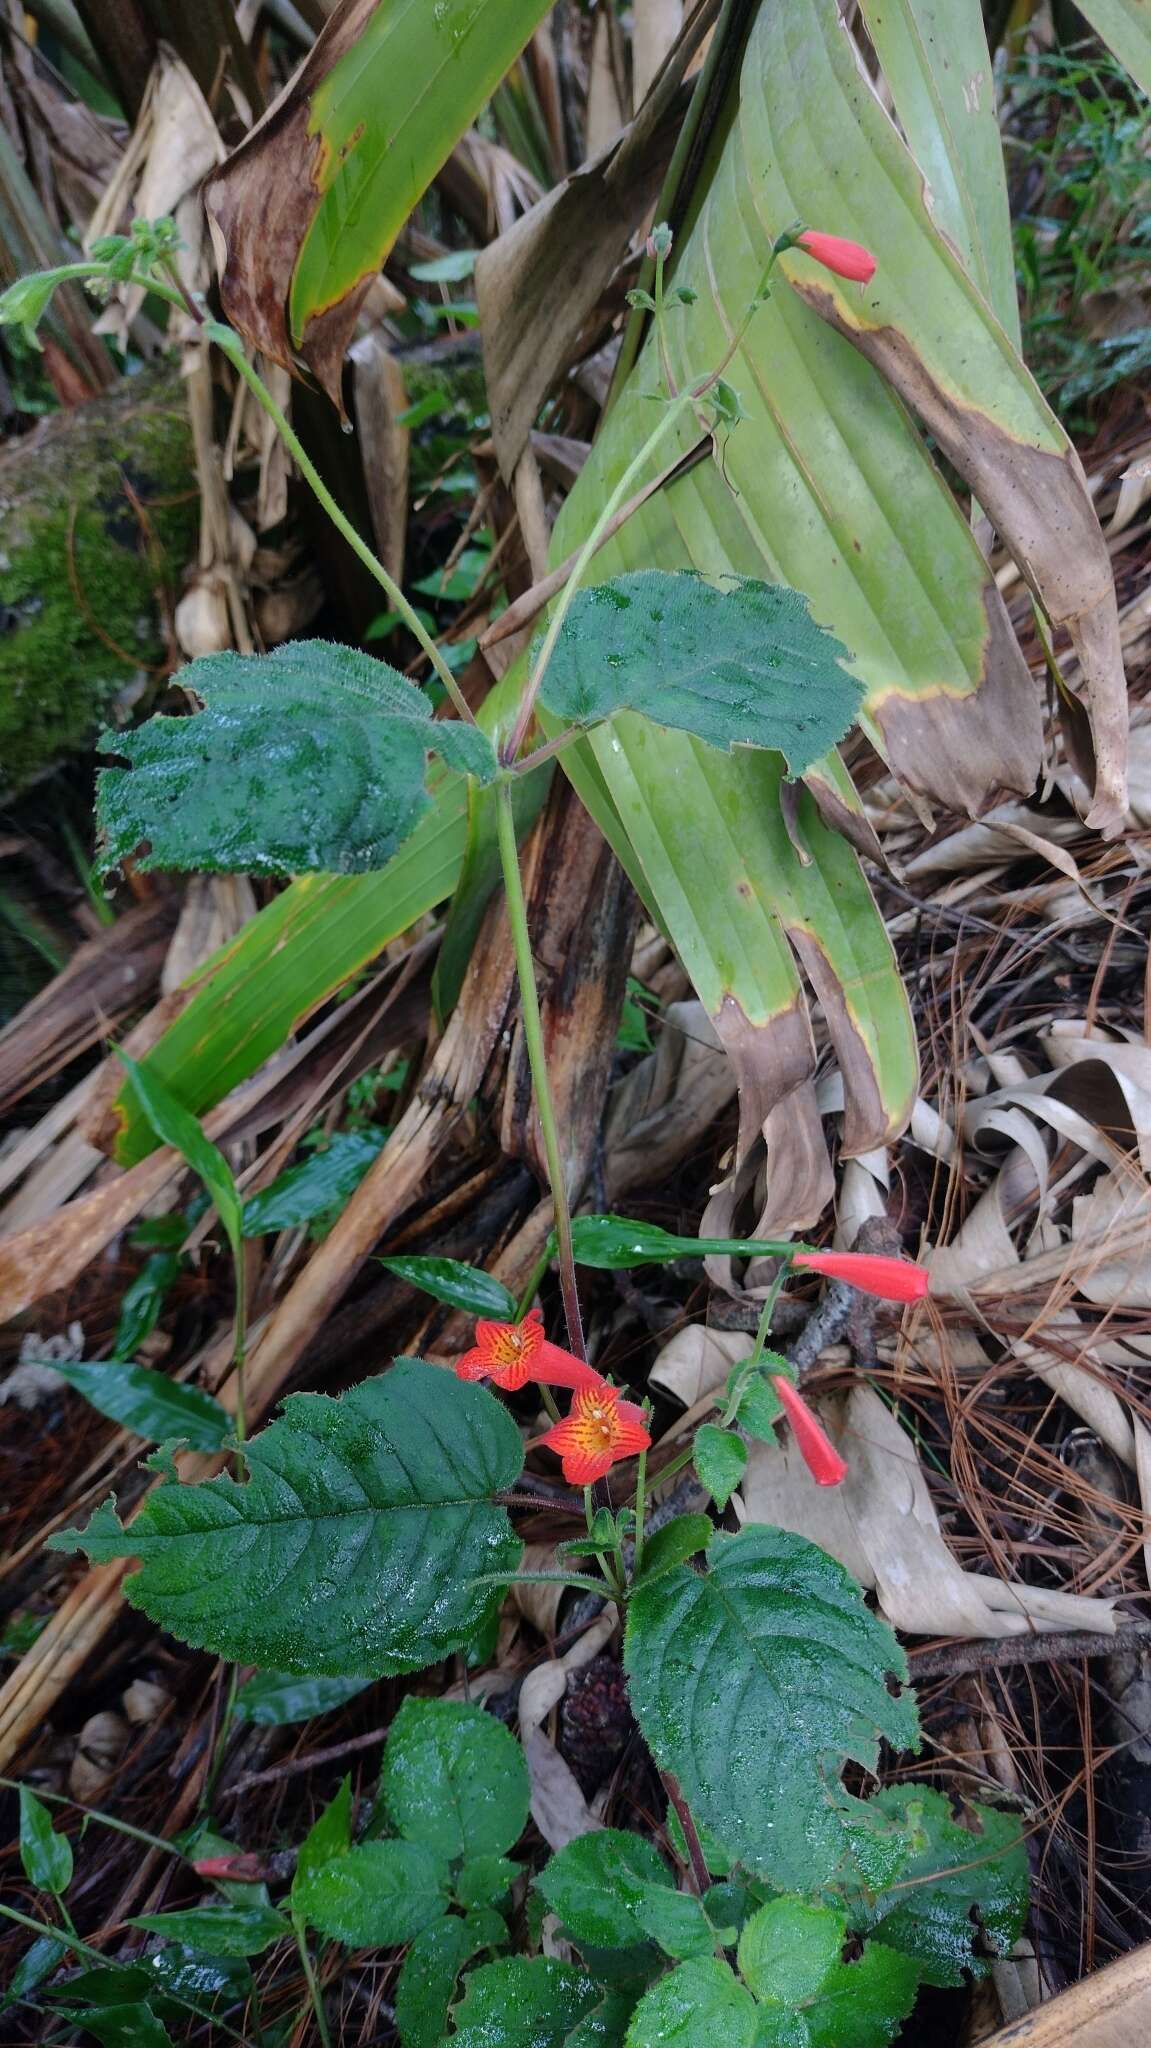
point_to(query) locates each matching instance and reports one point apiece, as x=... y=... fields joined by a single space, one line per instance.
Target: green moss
x=98 y=520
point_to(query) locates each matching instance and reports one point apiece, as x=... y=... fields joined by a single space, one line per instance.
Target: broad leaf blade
x=351 y=1548
x=1125 y=26
x=745 y=665
x=755 y=1683
x=427 y=1981
x=535 y=2002
x=596 y=1883
x=219 y=1930
x=455 y=1779
x=701 y=2001
x=928 y=1912
x=377 y=1895
x=149 y=1402
x=311 y=758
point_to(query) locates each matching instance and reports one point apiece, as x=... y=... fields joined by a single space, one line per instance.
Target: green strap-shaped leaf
x=351 y=1547
x=754 y=1683
x=176 y=1126
x=742 y=665
x=220 y=1930
x=455 y=1779
x=1125 y=26
x=935 y=59
x=313 y=757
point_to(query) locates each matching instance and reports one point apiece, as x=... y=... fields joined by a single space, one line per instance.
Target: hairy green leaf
x=461 y=1286
x=863 y=2002
x=313 y=757
x=596 y=1883
x=220 y=1930
x=455 y=1779
x=787 y=1949
x=351 y=1548
x=273 y=1699
x=677 y=1921
x=720 y=1457
x=377 y=1895
x=45 y=1854
x=754 y=1683
x=928 y=1913
x=678 y=1540
x=483 y=1880
x=149 y=1402
x=535 y=2002
x=745 y=666
x=701 y=2001
x=323 y=1182
x=427 y=1980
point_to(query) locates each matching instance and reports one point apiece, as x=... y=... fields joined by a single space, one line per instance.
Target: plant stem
x=108 y=1820
x=699 y=1869
x=240 y=1340
x=99 y=1961
x=640 y=1507
x=315 y=1994
x=230 y=345
x=537 y=1061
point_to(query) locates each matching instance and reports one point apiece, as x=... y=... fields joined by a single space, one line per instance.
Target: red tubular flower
x=511 y=1354
x=598 y=1430
x=847 y=259
x=819 y=1454
x=889 y=1279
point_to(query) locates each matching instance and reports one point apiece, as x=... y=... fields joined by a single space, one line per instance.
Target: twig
x=1051 y=1648
x=310 y=1761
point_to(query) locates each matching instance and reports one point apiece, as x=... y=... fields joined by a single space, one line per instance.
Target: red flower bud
x=847 y=259
x=889 y=1279
x=819 y=1454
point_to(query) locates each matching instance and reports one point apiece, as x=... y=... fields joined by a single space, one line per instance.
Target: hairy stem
x=315 y=1994
x=537 y=1061
x=699 y=1870
x=229 y=344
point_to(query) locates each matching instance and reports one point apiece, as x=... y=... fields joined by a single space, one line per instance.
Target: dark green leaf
x=219 y=1930
x=45 y=1854
x=120 y=2026
x=351 y=1548
x=743 y=666
x=720 y=1457
x=378 y=1895
x=864 y=2001
x=330 y=1835
x=143 y=1300
x=427 y=1982
x=788 y=1948
x=677 y=1921
x=25 y=303
x=322 y=1182
x=597 y=1882
x=313 y=757
x=478 y=1294
x=950 y=1869
x=613 y=1243
x=176 y=1973
x=176 y=1126
x=702 y=2001
x=759 y=1408
x=274 y=1700
x=535 y=2003
x=754 y=1683
x=149 y=1402
x=455 y=1779
x=37 y=1962
x=482 y=1880
x=678 y=1540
